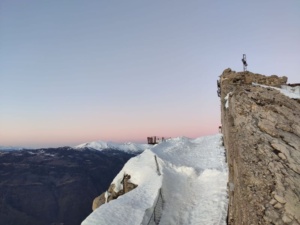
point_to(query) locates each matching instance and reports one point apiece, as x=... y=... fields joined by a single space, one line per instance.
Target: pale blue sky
x=77 y=71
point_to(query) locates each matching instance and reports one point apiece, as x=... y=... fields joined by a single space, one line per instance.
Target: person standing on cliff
x=244 y=60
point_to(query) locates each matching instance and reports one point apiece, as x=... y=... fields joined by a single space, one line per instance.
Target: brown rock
x=273 y=202
x=100 y=200
x=286 y=219
x=112 y=194
x=282 y=156
x=261 y=131
x=277 y=206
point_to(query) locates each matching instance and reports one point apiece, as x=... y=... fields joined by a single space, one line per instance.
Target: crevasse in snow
x=193 y=182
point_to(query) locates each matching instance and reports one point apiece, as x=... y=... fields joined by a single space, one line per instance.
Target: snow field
x=193 y=183
x=195 y=180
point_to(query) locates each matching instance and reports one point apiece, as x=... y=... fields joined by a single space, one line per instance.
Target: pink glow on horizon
x=43 y=136
x=117 y=126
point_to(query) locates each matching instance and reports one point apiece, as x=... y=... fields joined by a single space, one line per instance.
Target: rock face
x=54 y=186
x=261 y=130
x=111 y=194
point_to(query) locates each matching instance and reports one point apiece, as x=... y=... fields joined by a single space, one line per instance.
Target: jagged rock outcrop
x=111 y=194
x=261 y=130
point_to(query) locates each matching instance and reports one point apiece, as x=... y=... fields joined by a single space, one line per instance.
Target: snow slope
x=193 y=183
x=126 y=147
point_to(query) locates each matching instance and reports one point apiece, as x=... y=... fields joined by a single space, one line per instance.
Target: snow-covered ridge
x=126 y=147
x=191 y=176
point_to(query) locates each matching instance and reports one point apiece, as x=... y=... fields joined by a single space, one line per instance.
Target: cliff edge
x=261 y=131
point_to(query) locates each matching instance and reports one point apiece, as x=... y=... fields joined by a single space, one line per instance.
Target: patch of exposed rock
x=111 y=194
x=261 y=130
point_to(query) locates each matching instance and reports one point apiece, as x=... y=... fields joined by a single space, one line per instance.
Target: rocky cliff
x=261 y=130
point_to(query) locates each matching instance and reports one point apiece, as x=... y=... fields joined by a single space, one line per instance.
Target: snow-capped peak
x=9 y=148
x=126 y=147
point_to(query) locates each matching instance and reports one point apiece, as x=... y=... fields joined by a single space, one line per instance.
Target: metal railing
x=157 y=210
x=157 y=166
x=153 y=215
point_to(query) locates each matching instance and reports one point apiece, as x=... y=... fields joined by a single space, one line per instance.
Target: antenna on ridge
x=244 y=62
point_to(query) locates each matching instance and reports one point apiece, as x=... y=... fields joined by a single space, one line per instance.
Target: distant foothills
x=57 y=185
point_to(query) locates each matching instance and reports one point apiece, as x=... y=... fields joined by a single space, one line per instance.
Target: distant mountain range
x=97 y=145
x=57 y=185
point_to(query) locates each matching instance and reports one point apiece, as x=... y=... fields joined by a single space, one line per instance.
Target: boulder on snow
x=100 y=200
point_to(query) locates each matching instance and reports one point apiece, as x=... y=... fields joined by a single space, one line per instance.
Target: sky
x=78 y=71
